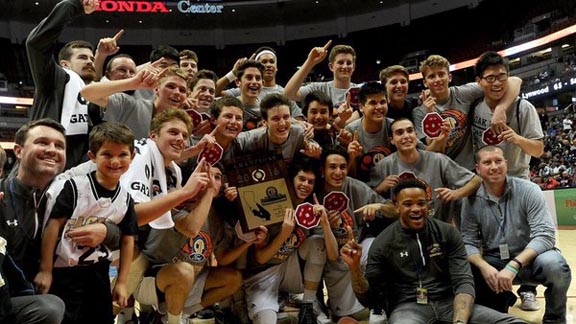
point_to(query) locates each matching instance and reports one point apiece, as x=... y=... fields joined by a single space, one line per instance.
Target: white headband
x=265 y=52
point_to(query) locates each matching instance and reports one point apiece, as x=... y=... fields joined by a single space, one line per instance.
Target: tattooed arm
x=463 y=304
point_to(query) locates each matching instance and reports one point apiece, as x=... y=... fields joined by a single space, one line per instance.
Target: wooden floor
x=566 y=242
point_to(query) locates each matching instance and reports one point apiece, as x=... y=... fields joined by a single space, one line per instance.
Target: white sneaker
x=528 y=301
x=377 y=318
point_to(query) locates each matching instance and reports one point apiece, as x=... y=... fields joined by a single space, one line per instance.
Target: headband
x=265 y=52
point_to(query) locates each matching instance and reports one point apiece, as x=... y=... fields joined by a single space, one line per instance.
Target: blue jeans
x=442 y=312
x=549 y=269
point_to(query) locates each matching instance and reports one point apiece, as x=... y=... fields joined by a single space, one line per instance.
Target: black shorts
x=86 y=292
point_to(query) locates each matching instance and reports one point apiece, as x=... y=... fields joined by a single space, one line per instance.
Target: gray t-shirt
x=168 y=245
x=295 y=111
x=337 y=95
x=456 y=108
x=375 y=146
x=438 y=170
x=360 y=195
x=525 y=113
x=257 y=140
x=135 y=113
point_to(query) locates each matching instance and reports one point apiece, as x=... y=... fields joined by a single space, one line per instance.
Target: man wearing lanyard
x=509 y=236
x=417 y=268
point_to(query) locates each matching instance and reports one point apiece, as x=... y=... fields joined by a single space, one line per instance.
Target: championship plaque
x=263 y=193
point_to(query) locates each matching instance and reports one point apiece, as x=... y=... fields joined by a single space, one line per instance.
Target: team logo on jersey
x=403 y=254
x=197 y=249
x=376 y=154
x=435 y=250
x=12 y=223
x=291 y=244
x=459 y=123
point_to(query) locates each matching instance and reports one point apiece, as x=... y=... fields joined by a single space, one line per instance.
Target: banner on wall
x=565 y=201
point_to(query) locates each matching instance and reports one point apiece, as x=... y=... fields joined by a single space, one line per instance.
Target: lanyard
x=501 y=224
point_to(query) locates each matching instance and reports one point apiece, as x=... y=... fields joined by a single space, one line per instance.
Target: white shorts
x=262 y=288
x=146 y=293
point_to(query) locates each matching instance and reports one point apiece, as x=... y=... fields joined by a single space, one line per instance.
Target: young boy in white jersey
x=79 y=274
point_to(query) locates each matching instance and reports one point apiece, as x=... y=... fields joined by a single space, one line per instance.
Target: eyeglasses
x=493 y=78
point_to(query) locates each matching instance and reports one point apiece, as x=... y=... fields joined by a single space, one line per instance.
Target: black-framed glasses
x=493 y=78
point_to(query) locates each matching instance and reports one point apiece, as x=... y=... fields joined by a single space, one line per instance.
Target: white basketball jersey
x=89 y=209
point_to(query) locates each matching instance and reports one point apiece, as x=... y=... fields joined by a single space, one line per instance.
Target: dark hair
x=333 y=149
x=272 y=100
x=216 y=106
x=319 y=96
x=164 y=51
x=399 y=120
x=306 y=164
x=22 y=132
x=117 y=56
x=66 y=51
x=203 y=74
x=369 y=89
x=489 y=59
x=406 y=184
x=486 y=148
x=111 y=132
x=189 y=54
x=249 y=64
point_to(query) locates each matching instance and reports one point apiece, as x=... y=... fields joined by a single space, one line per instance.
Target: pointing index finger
x=315 y=199
x=118 y=35
x=327 y=45
x=355 y=136
x=213 y=132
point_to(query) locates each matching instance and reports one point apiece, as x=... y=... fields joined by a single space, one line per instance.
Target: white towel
x=146 y=178
x=74 y=108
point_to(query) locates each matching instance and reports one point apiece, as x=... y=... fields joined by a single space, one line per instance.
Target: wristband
x=520 y=265
x=231 y=76
x=511 y=269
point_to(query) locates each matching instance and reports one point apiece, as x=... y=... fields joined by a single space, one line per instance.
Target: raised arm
x=514 y=84
x=191 y=224
x=106 y=46
x=99 y=92
x=316 y=55
x=151 y=210
x=263 y=252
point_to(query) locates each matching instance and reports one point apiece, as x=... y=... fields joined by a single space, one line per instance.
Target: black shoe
x=306 y=314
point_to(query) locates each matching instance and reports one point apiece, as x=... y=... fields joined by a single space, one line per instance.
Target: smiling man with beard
x=58 y=83
x=417 y=268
